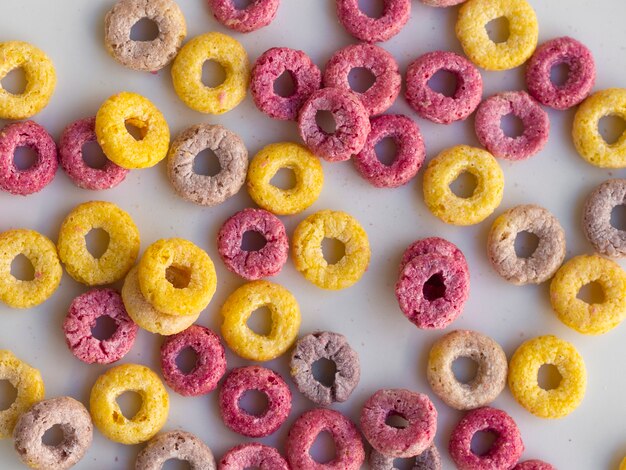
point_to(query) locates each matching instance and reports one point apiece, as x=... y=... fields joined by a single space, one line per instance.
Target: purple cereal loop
x=73 y=138
x=210 y=363
x=505 y=451
x=409 y=157
x=433 y=105
x=394 y=16
x=432 y=245
x=253 y=265
x=349 y=450
x=264 y=380
x=81 y=318
x=580 y=80
x=34 y=179
x=351 y=119
x=268 y=67
x=381 y=64
x=252 y=455
x=442 y=3
x=427 y=460
x=258 y=14
x=522 y=105
x=534 y=465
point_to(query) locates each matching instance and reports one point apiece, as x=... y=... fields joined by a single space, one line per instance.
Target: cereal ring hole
x=611 y=128
x=97 y=241
x=24 y=158
x=54 y=436
x=361 y=79
x=444 y=82
x=22 y=268
x=386 y=151
x=206 y=163
x=404 y=464
x=483 y=442
x=333 y=250
x=372 y=8
x=434 y=288
x=324 y=371
x=178 y=276
x=285 y=179
x=326 y=122
x=213 y=74
x=93 y=156
x=177 y=464
x=187 y=360
x=130 y=403
x=592 y=293
x=8 y=394
x=560 y=74
x=618 y=217
x=549 y=377
x=498 y=29
x=526 y=244
x=323 y=450
x=242 y=4
x=396 y=420
x=465 y=369
x=512 y=126
x=15 y=81
x=285 y=84
x=260 y=321
x=144 y=30
x=254 y=402
x=253 y=241
x=104 y=328
x=464 y=185
x=136 y=128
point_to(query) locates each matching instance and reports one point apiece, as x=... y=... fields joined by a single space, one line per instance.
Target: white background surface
x=393 y=352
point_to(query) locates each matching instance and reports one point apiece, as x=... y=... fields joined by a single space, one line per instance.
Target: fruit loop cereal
x=285 y=315
x=274 y=62
x=118 y=144
x=309 y=258
x=307 y=171
x=442 y=3
x=175 y=445
x=533 y=465
x=33 y=179
x=148 y=56
x=381 y=64
x=524 y=368
x=447 y=167
x=107 y=415
x=436 y=106
x=177 y=277
x=256 y=15
x=253 y=455
x=42 y=254
x=41 y=80
x=589 y=318
x=28 y=384
x=605 y=238
x=120 y=254
x=394 y=16
x=409 y=154
x=187 y=73
x=427 y=460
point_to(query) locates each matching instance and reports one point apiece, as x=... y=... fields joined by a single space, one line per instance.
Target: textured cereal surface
x=255 y=15
x=253 y=455
x=179 y=445
x=427 y=460
x=605 y=238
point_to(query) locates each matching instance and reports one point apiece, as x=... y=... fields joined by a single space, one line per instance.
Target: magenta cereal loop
x=256 y=15
x=253 y=455
x=394 y=16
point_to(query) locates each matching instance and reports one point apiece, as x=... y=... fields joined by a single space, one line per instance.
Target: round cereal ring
x=81 y=318
x=524 y=368
x=588 y=140
x=445 y=168
x=505 y=450
x=580 y=78
x=207 y=190
x=520 y=104
x=42 y=254
x=74 y=137
x=253 y=264
x=442 y=3
x=175 y=445
x=253 y=455
x=381 y=64
x=308 y=173
x=119 y=145
x=349 y=451
x=333 y=347
x=409 y=154
x=474 y=15
x=490 y=377
x=256 y=15
x=273 y=63
x=41 y=80
x=145 y=315
x=209 y=367
x=415 y=408
x=622 y=466
x=75 y=423
x=435 y=106
x=177 y=277
x=187 y=73
x=31 y=180
x=147 y=56
x=28 y=384
x=534 y=465
x=432 y=245
x=394 y=16
x=121 y=251
x=594 y=318
x=309 y=258
x=427 y=460
x=270 y=384
x=352 y=124
x=605 y=238
x=107 y=415
x=285 y=315
x=543 y=262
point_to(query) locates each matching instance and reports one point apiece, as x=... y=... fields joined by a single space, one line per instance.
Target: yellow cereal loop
x=42 y=254
x=309 y=258
x=120 y=254
x=308 y=174
x=29 y=385
x=187 y=73
x=595 y=318
x=41 y=80
x=118 y=144
x=107 y=415
x=588 y=140
x=445 y=168
x=145 y=315
x=177 y=277
x=517 y=49
x=285 y=314
x=623 y=464
x=524 y=369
